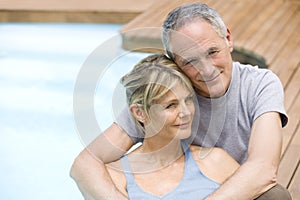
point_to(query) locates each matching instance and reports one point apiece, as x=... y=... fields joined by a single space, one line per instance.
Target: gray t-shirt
x=226 y=121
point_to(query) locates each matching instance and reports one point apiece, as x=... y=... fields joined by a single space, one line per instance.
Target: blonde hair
x=151 y=79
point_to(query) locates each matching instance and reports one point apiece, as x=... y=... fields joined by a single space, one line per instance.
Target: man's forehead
x=182 y=44
x=186 y=49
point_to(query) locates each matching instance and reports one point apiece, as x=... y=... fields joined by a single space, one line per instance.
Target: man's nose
x=205 y=68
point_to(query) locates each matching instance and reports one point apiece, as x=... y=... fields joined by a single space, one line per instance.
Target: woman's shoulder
x=214 y=162
x=116 y=173
x=214 y=153
x=115 y=169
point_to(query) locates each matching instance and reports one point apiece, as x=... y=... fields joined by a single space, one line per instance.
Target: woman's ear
x=137 y=113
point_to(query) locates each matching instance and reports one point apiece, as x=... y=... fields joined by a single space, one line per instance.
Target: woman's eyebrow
x=171 y=100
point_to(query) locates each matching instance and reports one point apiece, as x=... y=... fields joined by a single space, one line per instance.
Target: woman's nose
x=184 y=111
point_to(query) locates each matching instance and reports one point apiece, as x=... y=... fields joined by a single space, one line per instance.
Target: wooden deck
x=89 y=11
x=268 y=28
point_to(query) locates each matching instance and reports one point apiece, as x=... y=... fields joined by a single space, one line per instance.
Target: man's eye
x=189 y=61
x=212 y=52
x=185 y=63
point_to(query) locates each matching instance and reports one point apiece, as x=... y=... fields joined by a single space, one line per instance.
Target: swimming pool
x=39 y=64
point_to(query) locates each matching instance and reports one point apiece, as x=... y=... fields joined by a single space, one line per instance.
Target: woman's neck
x=155 y=154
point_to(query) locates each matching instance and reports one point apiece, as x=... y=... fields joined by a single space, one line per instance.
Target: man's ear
x=137 y=113
x=229 y=39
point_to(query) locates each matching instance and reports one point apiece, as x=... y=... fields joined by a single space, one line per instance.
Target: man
x=241 y=111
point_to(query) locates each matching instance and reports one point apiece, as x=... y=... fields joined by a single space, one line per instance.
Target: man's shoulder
x=247 y=69
x=249 y=74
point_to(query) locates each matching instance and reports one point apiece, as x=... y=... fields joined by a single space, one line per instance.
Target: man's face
x=204 y=57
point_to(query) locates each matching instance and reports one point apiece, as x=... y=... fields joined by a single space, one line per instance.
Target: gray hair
x=188 y=13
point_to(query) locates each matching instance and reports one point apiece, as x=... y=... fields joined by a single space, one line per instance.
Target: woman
x=165 y=166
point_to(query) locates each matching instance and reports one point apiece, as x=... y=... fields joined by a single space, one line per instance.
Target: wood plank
x=219 y=6
x=292 y=98
x=279 y=34
x=244 y=35
x=292 y=88
x=235 y=12
x=294 y=186
x=258 y=38
x=289 y=131
x=290 y=51
x=89 y=11
x=290 y=64
x=245 y=15
x=294 y=1
x=66 y=17
x=290 y=160
x=77 y=5
x=294 y=115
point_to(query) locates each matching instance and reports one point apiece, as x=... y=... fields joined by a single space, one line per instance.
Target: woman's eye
x=171 y=105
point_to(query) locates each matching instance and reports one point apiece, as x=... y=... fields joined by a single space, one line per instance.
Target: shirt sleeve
x=268 y=96
x=126 y=122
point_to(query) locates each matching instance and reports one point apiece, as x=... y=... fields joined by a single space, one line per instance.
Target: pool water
x=39 y=64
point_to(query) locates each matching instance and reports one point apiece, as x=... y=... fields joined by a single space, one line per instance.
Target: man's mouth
x=210 y=79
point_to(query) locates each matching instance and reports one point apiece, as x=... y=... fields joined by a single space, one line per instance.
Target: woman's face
x=172 y=116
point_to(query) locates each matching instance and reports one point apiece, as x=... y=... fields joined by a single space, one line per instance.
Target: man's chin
x=211 y=91
x=217 y=94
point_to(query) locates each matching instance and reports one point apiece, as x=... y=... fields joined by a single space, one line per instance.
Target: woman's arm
x=89 y=171
x=116 y=173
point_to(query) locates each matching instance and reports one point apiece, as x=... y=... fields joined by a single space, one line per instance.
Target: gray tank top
x=193 y=185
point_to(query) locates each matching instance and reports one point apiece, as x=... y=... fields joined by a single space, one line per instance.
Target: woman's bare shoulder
x=201 y=152
x=117 y=175
x=214 y=162
x=214 y=155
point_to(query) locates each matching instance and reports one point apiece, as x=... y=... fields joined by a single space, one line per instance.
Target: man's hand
x=89 y=170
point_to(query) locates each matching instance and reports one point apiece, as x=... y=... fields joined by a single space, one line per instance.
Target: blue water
x=39 y=64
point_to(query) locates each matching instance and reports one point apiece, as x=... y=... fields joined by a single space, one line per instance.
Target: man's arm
x=258 y=173
x=89 y=171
